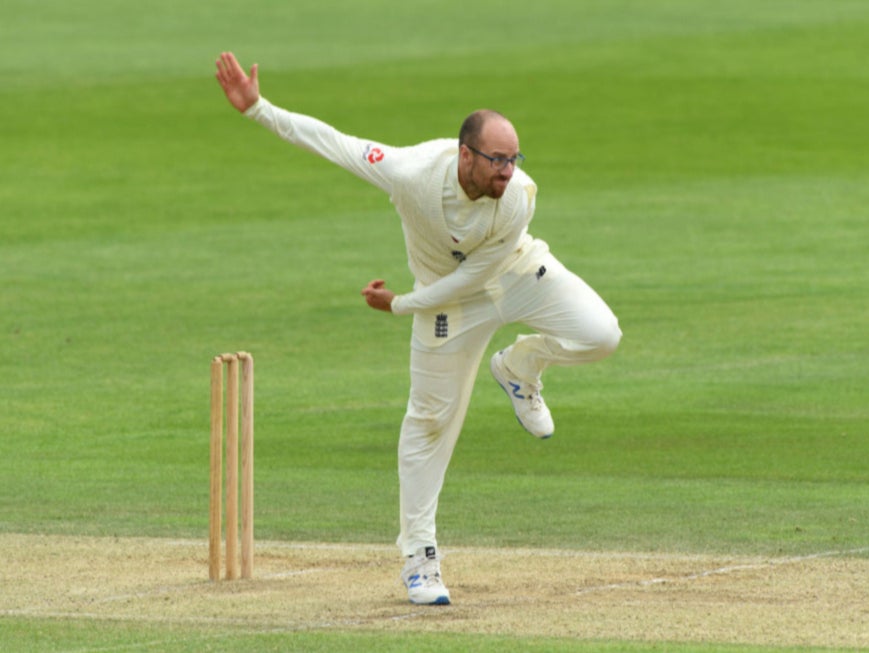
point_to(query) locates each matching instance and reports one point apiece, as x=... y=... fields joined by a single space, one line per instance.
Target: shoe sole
x=441 y=600
x=507 y=392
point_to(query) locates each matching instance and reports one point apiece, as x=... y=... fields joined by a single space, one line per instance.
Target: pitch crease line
x=720 y=571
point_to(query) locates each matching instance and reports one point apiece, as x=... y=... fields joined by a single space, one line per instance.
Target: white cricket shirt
x=456 y=246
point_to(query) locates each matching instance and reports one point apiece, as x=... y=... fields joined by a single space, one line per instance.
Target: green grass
x=703 y=165
x=55 y=634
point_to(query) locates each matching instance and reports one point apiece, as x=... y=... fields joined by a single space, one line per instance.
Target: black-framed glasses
x=500 y=162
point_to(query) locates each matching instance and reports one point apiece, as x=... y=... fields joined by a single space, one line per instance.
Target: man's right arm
x=363 y=158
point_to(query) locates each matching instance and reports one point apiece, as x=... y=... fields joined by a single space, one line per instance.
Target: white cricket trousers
x=573 y=326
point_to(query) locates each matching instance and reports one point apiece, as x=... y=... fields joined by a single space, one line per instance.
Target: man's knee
x=594 y=344
x=423 y=424
x=609 y=339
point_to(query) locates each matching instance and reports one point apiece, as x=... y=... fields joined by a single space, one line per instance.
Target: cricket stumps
x=229 y=405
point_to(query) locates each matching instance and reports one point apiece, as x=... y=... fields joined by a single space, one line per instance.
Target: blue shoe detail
x=516 y=388
x=529 y=406
x=422 y=577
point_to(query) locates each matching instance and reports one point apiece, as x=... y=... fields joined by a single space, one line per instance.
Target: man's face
x=497 y=139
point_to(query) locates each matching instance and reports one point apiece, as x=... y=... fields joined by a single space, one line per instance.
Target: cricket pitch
x=817 y=600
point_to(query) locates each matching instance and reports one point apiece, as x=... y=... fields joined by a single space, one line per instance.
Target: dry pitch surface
x=820 y=600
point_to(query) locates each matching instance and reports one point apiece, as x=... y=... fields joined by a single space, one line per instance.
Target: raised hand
x=241 y=91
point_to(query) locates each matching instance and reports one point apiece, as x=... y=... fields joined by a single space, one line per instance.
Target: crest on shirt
x=372 y=154
x=442 y=326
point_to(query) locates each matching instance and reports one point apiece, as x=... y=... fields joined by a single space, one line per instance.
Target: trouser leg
x=574 y=325
x=441 y=385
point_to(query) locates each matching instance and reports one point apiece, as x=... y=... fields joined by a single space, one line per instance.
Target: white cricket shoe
x=528 y=404
x=422 y=577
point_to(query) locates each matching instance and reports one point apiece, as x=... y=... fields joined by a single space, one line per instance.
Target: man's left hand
x=378 y=295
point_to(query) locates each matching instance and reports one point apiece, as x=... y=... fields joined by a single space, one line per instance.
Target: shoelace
x=428 y=570
x=534 y=397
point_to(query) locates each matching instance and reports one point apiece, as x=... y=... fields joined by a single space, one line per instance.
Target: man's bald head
x=472 y=127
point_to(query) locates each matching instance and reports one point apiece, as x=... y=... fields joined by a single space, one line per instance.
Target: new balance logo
x=540 y=272
x=516 y=388
x=414 y=581
x=459 y=256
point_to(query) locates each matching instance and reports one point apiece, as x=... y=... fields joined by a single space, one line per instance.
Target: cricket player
x=465 y=206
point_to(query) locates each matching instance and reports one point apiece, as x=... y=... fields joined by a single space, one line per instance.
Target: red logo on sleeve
x=373 y=154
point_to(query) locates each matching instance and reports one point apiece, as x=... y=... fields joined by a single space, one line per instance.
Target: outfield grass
x=703 y=165
x=73 y=636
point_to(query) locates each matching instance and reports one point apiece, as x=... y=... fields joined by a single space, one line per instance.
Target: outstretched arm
x=241 y=91
x=373 y=162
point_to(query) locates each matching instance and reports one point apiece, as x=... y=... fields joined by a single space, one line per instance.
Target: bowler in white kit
x=465 y=206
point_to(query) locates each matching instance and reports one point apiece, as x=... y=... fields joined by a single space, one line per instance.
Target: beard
x=479 y=182
x=497 y=187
